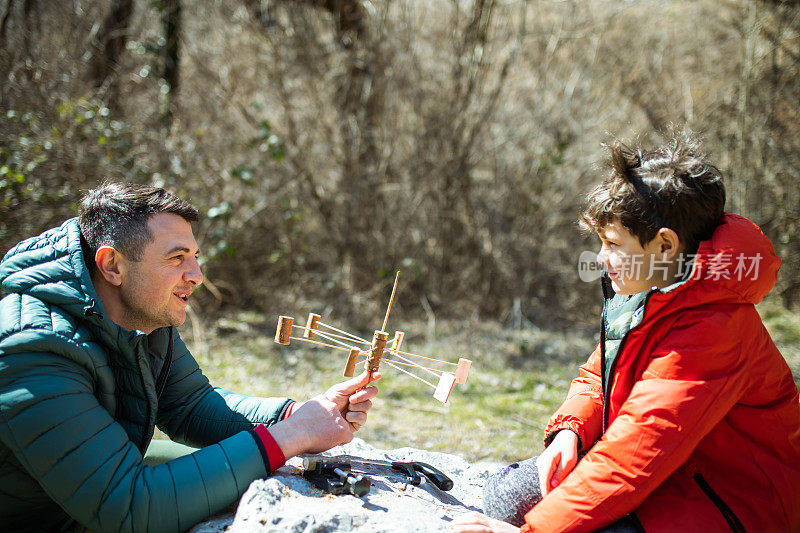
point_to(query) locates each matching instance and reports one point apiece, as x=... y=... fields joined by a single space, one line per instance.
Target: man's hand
x=478 y=523
x=353 y=398
x=326 y=420
x=557 y=460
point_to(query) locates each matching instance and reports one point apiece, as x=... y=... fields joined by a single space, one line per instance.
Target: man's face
x=633 y=268
x=155 y=291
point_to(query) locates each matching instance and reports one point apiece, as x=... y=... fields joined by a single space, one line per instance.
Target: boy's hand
x=478 y=523
x=557 y=460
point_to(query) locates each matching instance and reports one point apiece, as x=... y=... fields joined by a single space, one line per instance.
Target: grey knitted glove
x=511 y=492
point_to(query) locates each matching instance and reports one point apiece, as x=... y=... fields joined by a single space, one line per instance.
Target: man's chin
x=178 y=319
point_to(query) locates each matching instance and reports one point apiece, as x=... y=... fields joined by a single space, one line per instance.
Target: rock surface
x=287 y=502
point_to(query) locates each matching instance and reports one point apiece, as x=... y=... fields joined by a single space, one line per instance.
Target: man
x=90 y=363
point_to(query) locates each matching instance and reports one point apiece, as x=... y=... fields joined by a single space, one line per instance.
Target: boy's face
x=634 y=268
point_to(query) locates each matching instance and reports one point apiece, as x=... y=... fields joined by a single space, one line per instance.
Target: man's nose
x=194 y=275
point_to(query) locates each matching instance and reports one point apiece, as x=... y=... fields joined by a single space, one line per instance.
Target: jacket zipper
x=606 y=387
x=733 y=521
x=603 y=282
x=161 y=382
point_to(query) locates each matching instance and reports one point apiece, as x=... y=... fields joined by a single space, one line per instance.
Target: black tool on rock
x=334 y=477
x=410 y=469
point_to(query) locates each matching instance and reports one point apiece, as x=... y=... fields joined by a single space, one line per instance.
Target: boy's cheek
x=616 y=263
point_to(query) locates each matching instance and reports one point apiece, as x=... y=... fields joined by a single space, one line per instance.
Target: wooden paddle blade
x=463 y=370
x=444 y=387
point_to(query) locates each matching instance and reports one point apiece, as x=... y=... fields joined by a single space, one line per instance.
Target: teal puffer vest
x=79 y=400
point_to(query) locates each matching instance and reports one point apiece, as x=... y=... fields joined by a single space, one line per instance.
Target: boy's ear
x=668 y=244
x=110 y=265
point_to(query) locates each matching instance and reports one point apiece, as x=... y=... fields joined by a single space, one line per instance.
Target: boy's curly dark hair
x=671 y=186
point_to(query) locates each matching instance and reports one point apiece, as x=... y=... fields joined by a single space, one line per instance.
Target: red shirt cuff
x=270 y=451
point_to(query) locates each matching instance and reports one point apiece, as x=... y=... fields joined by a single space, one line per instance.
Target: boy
x=685 y=417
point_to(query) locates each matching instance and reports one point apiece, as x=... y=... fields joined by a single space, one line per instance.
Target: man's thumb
x=358 y=382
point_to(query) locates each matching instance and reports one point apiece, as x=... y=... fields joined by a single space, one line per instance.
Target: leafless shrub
x=330 y=143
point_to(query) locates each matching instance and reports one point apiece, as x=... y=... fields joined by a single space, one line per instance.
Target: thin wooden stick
x=410 y=362
x=391 y=299
x=433 y=371
x=333 y=338
x=349 y=335
x=343 y=337
x=421 y=357
x=320 y=343
x=410 y=374
x=330 y=336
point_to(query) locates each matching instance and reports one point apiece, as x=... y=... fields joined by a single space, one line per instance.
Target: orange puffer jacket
x=702 y=416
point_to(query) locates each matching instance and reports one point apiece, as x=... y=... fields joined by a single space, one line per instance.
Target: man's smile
x=183 y=295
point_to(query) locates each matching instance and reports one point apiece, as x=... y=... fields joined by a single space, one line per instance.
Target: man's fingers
x=360 y=406
x=356 y=417
x=356 y=420
x=363 y=395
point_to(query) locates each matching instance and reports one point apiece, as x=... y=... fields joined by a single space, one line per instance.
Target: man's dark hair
x=672 y=186
x=116 y=215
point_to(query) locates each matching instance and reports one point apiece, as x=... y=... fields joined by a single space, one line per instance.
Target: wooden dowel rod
x=378 y=346
x=311 y=326
x=349 y=335
x=421 y=357
x=284 y=330
x=391 y=299
x=410 y=374
x=349 y=367
x=320 y=343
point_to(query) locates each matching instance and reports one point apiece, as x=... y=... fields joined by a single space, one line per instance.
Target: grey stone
x=287 y=502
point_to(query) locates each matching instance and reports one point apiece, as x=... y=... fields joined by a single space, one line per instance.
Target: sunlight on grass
x=518 y=378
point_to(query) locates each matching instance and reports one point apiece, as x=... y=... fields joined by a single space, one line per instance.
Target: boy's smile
x=634 y=268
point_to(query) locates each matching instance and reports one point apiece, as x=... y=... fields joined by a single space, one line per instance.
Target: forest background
x=329 y=143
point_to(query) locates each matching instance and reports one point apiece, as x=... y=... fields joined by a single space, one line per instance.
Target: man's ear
x=109 y=263
x=669 y=245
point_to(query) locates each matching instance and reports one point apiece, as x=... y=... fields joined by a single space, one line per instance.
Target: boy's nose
x=602 y=258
